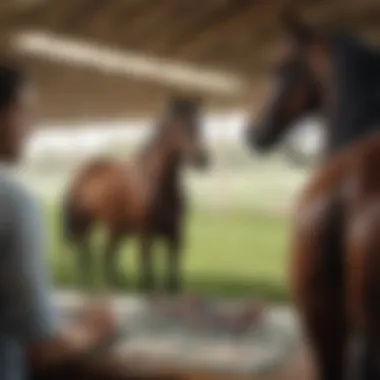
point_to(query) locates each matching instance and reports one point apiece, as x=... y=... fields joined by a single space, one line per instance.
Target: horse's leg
x=77 y=227
x=85 y=261
x=113 y=275
x=317 y=281
x=174 y=281
x=147 y=279
x=81 y=240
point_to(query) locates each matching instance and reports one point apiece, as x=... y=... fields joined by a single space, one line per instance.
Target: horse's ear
x=298 y=30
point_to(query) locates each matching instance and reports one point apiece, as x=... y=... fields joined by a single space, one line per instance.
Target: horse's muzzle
x=257 y=141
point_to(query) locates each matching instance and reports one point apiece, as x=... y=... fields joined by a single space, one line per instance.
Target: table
x=152 y=350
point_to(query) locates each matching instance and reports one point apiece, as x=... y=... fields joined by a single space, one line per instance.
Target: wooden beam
x=100 y=28
x=150 y=18
x=25 y=17
x=124 y=33
x=153 y=25
x=114 y=30
x=7 y=6
x=51 y=15
x=61 y=16
x=85 y=11
x=190 y=19
x=132 y=10
x=95 y=11
x=236 y=46
x=227 y=18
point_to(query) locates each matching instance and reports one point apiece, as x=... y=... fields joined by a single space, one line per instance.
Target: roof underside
x=234 y=36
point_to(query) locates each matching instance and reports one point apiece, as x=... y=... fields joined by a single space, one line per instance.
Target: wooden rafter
x=127 y=28
x=82 y=13
x=102 y=26
x=50 y=15
x=91 y=14
x=183 y=27
x=238 y=35
x=152 y=27
x=219 y=24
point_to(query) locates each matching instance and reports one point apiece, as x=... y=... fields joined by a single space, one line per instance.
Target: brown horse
x=335 y=262
x=337 y=76
x=144 y=199
x=323 y=72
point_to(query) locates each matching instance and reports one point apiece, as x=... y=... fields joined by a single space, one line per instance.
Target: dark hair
x=11 y=78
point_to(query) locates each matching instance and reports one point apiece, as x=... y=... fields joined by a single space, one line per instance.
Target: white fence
x=268 y=187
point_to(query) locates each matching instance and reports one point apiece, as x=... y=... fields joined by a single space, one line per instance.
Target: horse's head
x=184 y=130
x=296 y=85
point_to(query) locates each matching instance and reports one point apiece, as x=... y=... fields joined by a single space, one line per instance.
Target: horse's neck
x=161 y=167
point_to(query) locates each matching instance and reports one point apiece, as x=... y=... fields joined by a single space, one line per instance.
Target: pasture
x=227 y=253
x=236 y=237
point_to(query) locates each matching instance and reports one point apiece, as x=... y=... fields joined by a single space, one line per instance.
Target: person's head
x=16 y=107
x=296 y=81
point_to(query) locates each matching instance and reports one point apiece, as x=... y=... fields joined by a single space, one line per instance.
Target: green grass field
x=227 y=253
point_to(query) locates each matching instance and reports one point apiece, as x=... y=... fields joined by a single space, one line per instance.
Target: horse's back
x=111 y=191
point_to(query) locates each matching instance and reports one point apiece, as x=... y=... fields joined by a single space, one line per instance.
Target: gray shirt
x=26 y=313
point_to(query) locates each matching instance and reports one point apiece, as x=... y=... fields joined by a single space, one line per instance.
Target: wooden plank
x=32 y=15
x=16 y=18
x=182 y=28
x=151 y=19
x=114 y=30
x=132 y=10
x=85 y=11
x=96 y=10
x=54 y=15
x=100 y=28
x=222 y=22
x=129 y=29
x=153 y=25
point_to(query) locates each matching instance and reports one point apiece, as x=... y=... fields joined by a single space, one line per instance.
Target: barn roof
x=146 y=49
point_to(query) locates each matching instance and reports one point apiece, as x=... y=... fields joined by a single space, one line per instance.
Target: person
x=30 y=337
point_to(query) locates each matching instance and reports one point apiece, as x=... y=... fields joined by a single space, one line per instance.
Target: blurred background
x=104 y=69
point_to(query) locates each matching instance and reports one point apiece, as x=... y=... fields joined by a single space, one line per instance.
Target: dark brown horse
x=335 y=262
x=337 y=76
x=145 y=198
x=322 y=72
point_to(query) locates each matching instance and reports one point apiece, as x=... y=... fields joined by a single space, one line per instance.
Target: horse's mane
x=356 y=75
x=356 y=62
